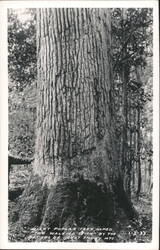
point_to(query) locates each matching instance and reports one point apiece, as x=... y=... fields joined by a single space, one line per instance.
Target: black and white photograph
x=81 y=101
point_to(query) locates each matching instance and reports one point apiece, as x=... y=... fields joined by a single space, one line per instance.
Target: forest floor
x=125 y=230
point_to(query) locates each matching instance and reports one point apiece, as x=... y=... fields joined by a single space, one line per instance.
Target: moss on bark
x=80 y=200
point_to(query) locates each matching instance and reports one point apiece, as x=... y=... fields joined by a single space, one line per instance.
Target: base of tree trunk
x=70 y=204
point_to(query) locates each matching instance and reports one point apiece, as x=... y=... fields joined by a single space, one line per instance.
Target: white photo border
x=4 y=5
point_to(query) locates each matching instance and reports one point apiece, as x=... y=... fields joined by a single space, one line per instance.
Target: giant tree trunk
x=74 y=104
x=75 y=143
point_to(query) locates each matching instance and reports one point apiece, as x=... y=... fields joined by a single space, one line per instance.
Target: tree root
x=80 y=203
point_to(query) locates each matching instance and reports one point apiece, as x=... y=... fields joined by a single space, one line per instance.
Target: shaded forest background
x=131 y=91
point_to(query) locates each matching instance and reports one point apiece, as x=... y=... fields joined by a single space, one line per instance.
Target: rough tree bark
x=75 y=126
x=74 y=81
